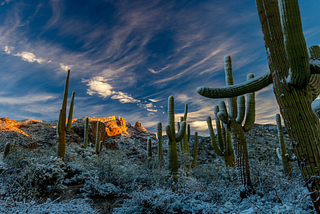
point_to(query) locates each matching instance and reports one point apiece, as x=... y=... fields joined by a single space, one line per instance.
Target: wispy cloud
x=27 y=99
x=29 y=57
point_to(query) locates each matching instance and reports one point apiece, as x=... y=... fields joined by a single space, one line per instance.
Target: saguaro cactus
x=86 y=132
x=173 y=137
x=224 y=138
x=233 y=122
x=195 y=150
x=98 y=143
x=294 y=89
x=160 y=148
x=62 y=129
x=282 y=152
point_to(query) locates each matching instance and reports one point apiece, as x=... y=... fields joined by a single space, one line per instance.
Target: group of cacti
x=296 y=84
x=183 y=137
x=232 y=133
x=62 y=128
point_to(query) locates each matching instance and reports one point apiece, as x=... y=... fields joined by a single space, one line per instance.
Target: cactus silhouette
x=62 y=129
x=86 y=133
x=295 y=83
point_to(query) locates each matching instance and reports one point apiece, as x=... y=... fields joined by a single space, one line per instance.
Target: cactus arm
x=248 y=86
x=195 y=150
x=86 y=132
x=314 y=65
x=171 y=115
x=65 y=97
x=188 y=137
x=251 y=109
x=241 y=109
x=185 y=112
x=223 y=114
x=70 y=113
x=212 y=136
x=229 y=81
x=101 y=144
x=284 y=155
x=178 y=123
x=169 y=133
x=295 y=44
x=181 y=132
x=160 y=148
x=314 y=51
x=218 y=127
x=59 y=128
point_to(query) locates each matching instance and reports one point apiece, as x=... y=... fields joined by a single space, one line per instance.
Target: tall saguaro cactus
x=294 y=88
x=233 y=122
x=62 y=129
x=86 y=132
x=160 y=148
x=173 y=137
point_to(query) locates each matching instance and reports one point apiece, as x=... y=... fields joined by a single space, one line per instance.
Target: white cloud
x=200 y=125
x=8 y=49
x=99 y=85
x=154 y=100
x=65 y=67
x=182 y=98
x=155 y=72
x=29 y=57
x=27 y=99
x=123 y=97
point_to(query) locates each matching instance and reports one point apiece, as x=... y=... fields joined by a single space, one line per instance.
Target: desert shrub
x=32 y=173
x=79 y=206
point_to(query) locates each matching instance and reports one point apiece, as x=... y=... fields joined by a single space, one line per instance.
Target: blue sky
x=127 y=57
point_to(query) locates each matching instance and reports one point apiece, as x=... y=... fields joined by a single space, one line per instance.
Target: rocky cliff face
x=115 y=133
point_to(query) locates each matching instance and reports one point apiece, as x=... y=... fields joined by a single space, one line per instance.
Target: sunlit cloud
x=29 y=57
x=123 y=97
x=98 y=85
x=154 y=100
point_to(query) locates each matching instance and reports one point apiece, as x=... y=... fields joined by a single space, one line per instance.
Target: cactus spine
x=86 y=132
x=7 y=149
x=61 y=126
x=282 y=154
x=195 y=150
x=173 y=137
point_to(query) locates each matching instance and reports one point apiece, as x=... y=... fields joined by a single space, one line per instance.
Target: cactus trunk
x=301 y=123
